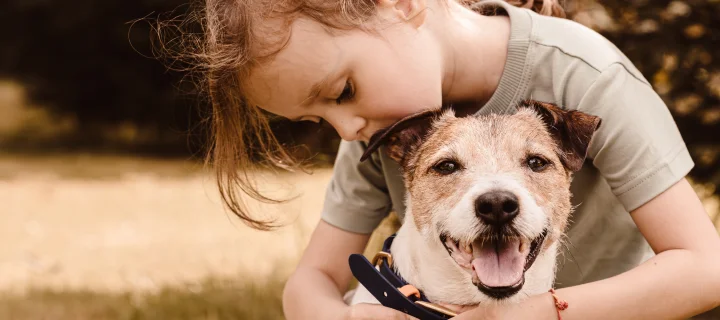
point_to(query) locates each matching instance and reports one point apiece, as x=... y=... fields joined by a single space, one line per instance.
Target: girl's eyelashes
x=347 y=94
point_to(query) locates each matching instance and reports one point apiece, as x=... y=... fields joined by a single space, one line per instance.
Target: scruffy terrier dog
x=488 y=200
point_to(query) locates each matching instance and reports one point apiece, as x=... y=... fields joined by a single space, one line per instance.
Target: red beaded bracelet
x=559 y=304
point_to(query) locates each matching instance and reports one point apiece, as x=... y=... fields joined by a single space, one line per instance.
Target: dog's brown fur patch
x=491 y=145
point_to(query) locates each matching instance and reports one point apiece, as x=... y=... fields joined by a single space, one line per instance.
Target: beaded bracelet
x=559 y=303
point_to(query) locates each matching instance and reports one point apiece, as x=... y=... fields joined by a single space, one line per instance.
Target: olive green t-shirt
x=636 y=154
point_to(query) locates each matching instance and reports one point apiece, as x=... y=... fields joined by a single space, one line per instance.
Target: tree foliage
x=675 y=45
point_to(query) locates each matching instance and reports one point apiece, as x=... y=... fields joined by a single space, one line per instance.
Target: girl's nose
x=348 y=126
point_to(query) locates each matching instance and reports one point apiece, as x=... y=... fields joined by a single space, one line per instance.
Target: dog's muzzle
x=499 y=256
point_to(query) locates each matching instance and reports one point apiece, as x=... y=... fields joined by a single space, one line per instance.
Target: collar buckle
x=377 y=260
x=408 y=290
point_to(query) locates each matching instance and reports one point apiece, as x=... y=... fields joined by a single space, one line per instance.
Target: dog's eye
x=537 y=164
x=446 y=167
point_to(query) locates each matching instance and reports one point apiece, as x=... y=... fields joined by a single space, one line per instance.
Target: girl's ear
x=410 y=11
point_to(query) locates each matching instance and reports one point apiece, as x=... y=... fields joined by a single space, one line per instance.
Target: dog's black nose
x=497 y=207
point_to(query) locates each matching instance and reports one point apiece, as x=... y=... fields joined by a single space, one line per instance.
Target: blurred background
x=106 y=210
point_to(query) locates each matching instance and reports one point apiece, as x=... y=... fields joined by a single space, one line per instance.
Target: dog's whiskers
x=564 y=242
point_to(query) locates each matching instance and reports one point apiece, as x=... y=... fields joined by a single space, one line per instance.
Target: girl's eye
x=347 y=93
x=537 y=164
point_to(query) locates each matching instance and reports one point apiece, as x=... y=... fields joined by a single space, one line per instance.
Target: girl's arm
x=682 y=280
x=316 y=289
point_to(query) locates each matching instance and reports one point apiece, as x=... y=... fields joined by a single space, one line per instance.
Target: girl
x=642 y=245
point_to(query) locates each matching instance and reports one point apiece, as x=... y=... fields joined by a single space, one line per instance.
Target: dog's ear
x=573 y=130
x=402 y=137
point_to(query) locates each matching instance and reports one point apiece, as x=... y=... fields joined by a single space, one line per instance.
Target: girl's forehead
x=308 y=57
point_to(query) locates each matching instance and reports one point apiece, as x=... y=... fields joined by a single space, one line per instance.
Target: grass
x=213 y=299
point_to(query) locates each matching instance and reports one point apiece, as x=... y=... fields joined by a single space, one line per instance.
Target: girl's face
x=356 y=81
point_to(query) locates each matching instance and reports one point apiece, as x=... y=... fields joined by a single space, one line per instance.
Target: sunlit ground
x=115 y=225
x=92 y=237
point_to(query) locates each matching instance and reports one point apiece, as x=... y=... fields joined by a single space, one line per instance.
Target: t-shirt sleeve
x=356 y=198
x=638 y=147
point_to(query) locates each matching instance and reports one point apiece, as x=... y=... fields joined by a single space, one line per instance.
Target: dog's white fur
x=485 y=145
x=422 y=260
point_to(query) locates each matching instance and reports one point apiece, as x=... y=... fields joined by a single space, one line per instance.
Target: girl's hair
x=234 y=38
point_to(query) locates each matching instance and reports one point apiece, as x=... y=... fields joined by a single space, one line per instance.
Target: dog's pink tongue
x=498 y=265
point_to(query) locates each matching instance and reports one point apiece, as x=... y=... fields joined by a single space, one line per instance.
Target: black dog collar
x=385 y=285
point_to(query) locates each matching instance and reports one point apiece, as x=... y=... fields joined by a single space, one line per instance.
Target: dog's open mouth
x=497 y=262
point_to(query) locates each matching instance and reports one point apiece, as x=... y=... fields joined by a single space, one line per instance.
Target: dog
x=488 y=200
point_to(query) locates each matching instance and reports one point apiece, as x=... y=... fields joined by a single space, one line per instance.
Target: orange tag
x=409 y=290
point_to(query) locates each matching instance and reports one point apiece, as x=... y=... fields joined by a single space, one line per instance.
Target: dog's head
x=494 y=189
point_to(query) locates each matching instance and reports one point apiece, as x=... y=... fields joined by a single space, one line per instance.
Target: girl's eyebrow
x=314 y=91
x=316 y=88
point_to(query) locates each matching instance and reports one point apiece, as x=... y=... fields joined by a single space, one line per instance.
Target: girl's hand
x=368 y=311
